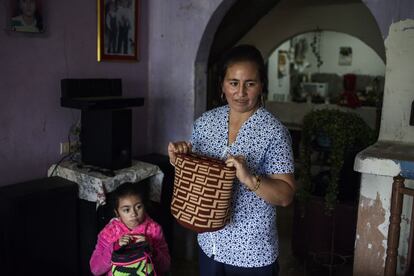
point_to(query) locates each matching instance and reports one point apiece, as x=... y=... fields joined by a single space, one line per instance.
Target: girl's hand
x=139 y=238
x=178 y=147
x=143 y=238
x=242 y=172
x=125 y=239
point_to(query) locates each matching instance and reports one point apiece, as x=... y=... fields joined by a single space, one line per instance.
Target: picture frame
x=26 y=16
x=117 y=30
x=345 y=56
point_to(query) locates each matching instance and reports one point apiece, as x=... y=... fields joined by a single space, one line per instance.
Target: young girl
x=131 y=224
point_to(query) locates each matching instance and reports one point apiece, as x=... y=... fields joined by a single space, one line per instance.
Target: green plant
x=345 y=132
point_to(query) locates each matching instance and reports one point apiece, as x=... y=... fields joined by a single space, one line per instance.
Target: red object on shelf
x=349 y=97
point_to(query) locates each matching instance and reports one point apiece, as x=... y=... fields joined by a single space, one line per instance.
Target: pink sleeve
x=100 y=262
x=160 y=247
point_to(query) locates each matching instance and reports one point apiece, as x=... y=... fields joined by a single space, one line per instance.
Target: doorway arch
x=286 y=19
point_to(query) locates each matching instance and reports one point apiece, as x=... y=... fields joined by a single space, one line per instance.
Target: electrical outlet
x=66 y=149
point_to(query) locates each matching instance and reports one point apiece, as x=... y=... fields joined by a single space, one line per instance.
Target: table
x=94 y=185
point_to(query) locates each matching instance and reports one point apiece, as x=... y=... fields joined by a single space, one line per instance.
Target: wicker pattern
x=202 y=192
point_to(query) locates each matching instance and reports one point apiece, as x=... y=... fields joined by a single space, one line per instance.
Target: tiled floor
x=185 y=254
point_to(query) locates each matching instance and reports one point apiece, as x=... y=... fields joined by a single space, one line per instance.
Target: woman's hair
x=129 y=189
x=242 y=53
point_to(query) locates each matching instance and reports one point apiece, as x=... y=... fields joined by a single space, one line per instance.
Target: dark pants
x=210 y=267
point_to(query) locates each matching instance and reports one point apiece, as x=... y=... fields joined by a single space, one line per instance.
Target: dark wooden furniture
x=39 y=228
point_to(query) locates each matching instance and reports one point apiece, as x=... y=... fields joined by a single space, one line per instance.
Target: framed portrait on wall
x=345 y=56
x=118 y=30
x=26 y=16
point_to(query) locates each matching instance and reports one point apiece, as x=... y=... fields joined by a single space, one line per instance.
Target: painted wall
x=399 y=83
x=365 y=61
x=32 y=123
x=378 y=164
x=176 y=30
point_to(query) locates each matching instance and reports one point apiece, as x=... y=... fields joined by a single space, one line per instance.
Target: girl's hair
x=242 y=53
x=128 y=189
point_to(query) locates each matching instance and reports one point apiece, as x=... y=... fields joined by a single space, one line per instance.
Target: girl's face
x=130 y=210
x=28 y=7
x=242 y=86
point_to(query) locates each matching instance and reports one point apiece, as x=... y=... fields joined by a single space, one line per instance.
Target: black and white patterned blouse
x=250 y=239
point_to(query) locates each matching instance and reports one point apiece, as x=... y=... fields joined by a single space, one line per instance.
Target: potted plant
x=336 y=136
x=341 y=135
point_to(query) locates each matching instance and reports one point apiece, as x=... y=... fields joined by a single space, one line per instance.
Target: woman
x=253 y=141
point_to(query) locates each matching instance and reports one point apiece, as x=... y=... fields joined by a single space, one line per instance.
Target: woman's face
x=28 y=7
x=242 y=86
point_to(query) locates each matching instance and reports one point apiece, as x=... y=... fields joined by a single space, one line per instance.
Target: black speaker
x=39 y=228
x=106 y=138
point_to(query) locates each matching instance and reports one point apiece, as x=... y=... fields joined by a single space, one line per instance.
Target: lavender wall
x=32 y=123
x=176 y=29
x=387 y=12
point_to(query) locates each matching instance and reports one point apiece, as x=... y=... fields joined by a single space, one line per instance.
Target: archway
x=286 y=19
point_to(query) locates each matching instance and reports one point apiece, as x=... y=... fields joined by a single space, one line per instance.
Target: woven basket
x=202 y=192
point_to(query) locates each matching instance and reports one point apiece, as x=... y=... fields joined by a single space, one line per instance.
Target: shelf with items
x=291 y=114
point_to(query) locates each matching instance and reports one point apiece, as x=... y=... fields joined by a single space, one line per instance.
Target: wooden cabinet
x=39 y=228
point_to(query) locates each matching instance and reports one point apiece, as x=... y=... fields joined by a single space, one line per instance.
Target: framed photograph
x=345 y=56
x=118 y=30
x=26 y=16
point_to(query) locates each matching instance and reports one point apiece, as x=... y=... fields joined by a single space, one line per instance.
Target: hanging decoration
x=282 y=64
x=316 y=47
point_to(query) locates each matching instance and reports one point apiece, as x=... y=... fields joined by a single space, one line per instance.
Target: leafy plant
x=344 y=133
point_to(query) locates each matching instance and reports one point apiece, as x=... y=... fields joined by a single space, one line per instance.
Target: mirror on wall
x=326 y=67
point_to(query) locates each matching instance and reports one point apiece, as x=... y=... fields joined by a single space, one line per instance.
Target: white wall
x=365 y=60
x=399 y=83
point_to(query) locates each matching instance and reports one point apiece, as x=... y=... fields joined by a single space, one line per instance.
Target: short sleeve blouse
x=250 y=239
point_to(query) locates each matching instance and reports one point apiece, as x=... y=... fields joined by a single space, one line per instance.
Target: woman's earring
x=223 y=98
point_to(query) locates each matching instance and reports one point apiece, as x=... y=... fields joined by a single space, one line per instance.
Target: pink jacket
x=100 y=262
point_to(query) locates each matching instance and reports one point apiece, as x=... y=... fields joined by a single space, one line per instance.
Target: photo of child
x=26 y=16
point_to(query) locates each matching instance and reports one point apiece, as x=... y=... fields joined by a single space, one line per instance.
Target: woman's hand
x=242 y=172
x=276 y=189
x=178 y=147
